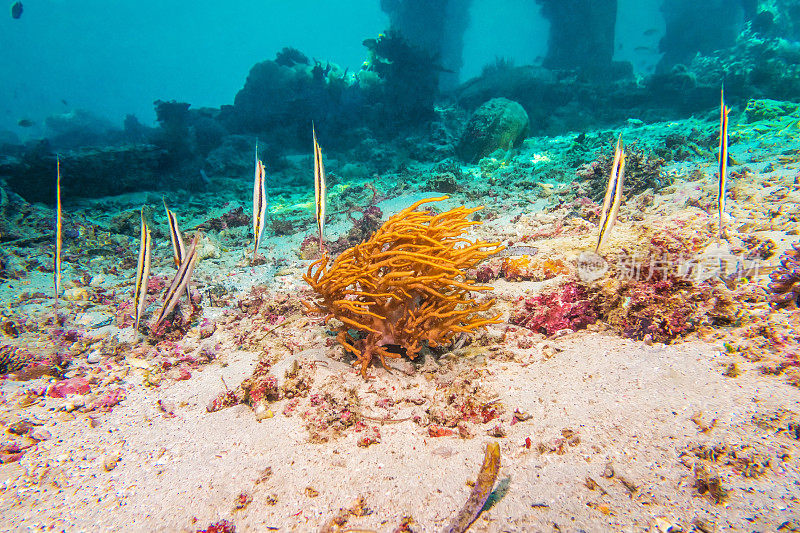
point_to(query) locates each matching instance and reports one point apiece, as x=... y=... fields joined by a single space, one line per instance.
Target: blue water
x=116 y=58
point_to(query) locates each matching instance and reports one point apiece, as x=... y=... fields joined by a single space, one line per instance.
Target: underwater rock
x=767 y=109
x=233 y=157
x=77 y=128
x=8 y=138
x=18 y=220
x=86 y=173
x=531 y=86
x=497 y=124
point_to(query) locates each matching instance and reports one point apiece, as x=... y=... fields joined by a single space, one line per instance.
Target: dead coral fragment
x=405 y=285
x=13 y=358
x=785 y=286
x=709 y=484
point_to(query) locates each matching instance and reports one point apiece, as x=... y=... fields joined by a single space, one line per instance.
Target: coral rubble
x=785 y=286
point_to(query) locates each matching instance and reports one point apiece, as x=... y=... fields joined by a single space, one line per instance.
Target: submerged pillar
x=581 y=35
x=436 y=26
x=694 y=27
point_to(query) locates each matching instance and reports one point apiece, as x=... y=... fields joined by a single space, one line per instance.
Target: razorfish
x=319 y=187
x=259 y=204
x=178 y=247
x=142 y=271
x=613 y=197
x=723 y=160
x=180 y=283
x=59 y=243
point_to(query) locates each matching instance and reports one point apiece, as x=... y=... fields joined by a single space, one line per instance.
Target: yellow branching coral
x=406 y=285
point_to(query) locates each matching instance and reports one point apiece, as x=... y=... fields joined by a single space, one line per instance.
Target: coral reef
x=754 y=66
x=405 y=286
x=654 y=302
x=289 y=57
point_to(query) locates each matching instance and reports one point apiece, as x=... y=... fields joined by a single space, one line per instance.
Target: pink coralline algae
x=223 y=526
x=566 y=308
x=107 y=401
x=68 y=386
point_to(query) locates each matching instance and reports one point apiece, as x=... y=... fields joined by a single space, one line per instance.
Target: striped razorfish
x=319 y=187
x=142 y=272
x=178 y=247
x=180 y=283
x=259 y=203
x=723 y=159
x=59 y=222
x=613 y=195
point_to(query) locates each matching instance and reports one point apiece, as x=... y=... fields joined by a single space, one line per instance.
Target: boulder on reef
x=497 y=124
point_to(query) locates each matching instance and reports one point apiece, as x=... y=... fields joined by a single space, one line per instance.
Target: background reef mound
x=392 y=93
x=404 y=286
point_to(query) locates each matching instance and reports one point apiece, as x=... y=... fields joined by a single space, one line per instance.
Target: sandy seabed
x=597 y=432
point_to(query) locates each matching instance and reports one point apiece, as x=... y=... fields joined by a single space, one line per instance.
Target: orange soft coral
x=405 y=285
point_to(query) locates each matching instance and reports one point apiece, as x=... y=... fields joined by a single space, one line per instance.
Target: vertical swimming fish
x=259 y=203
x=319 y=187
x=142 y=272
x=613 y=197
x=59 y=223
x=723 y=159
x=180 y=282
x=178 y=248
